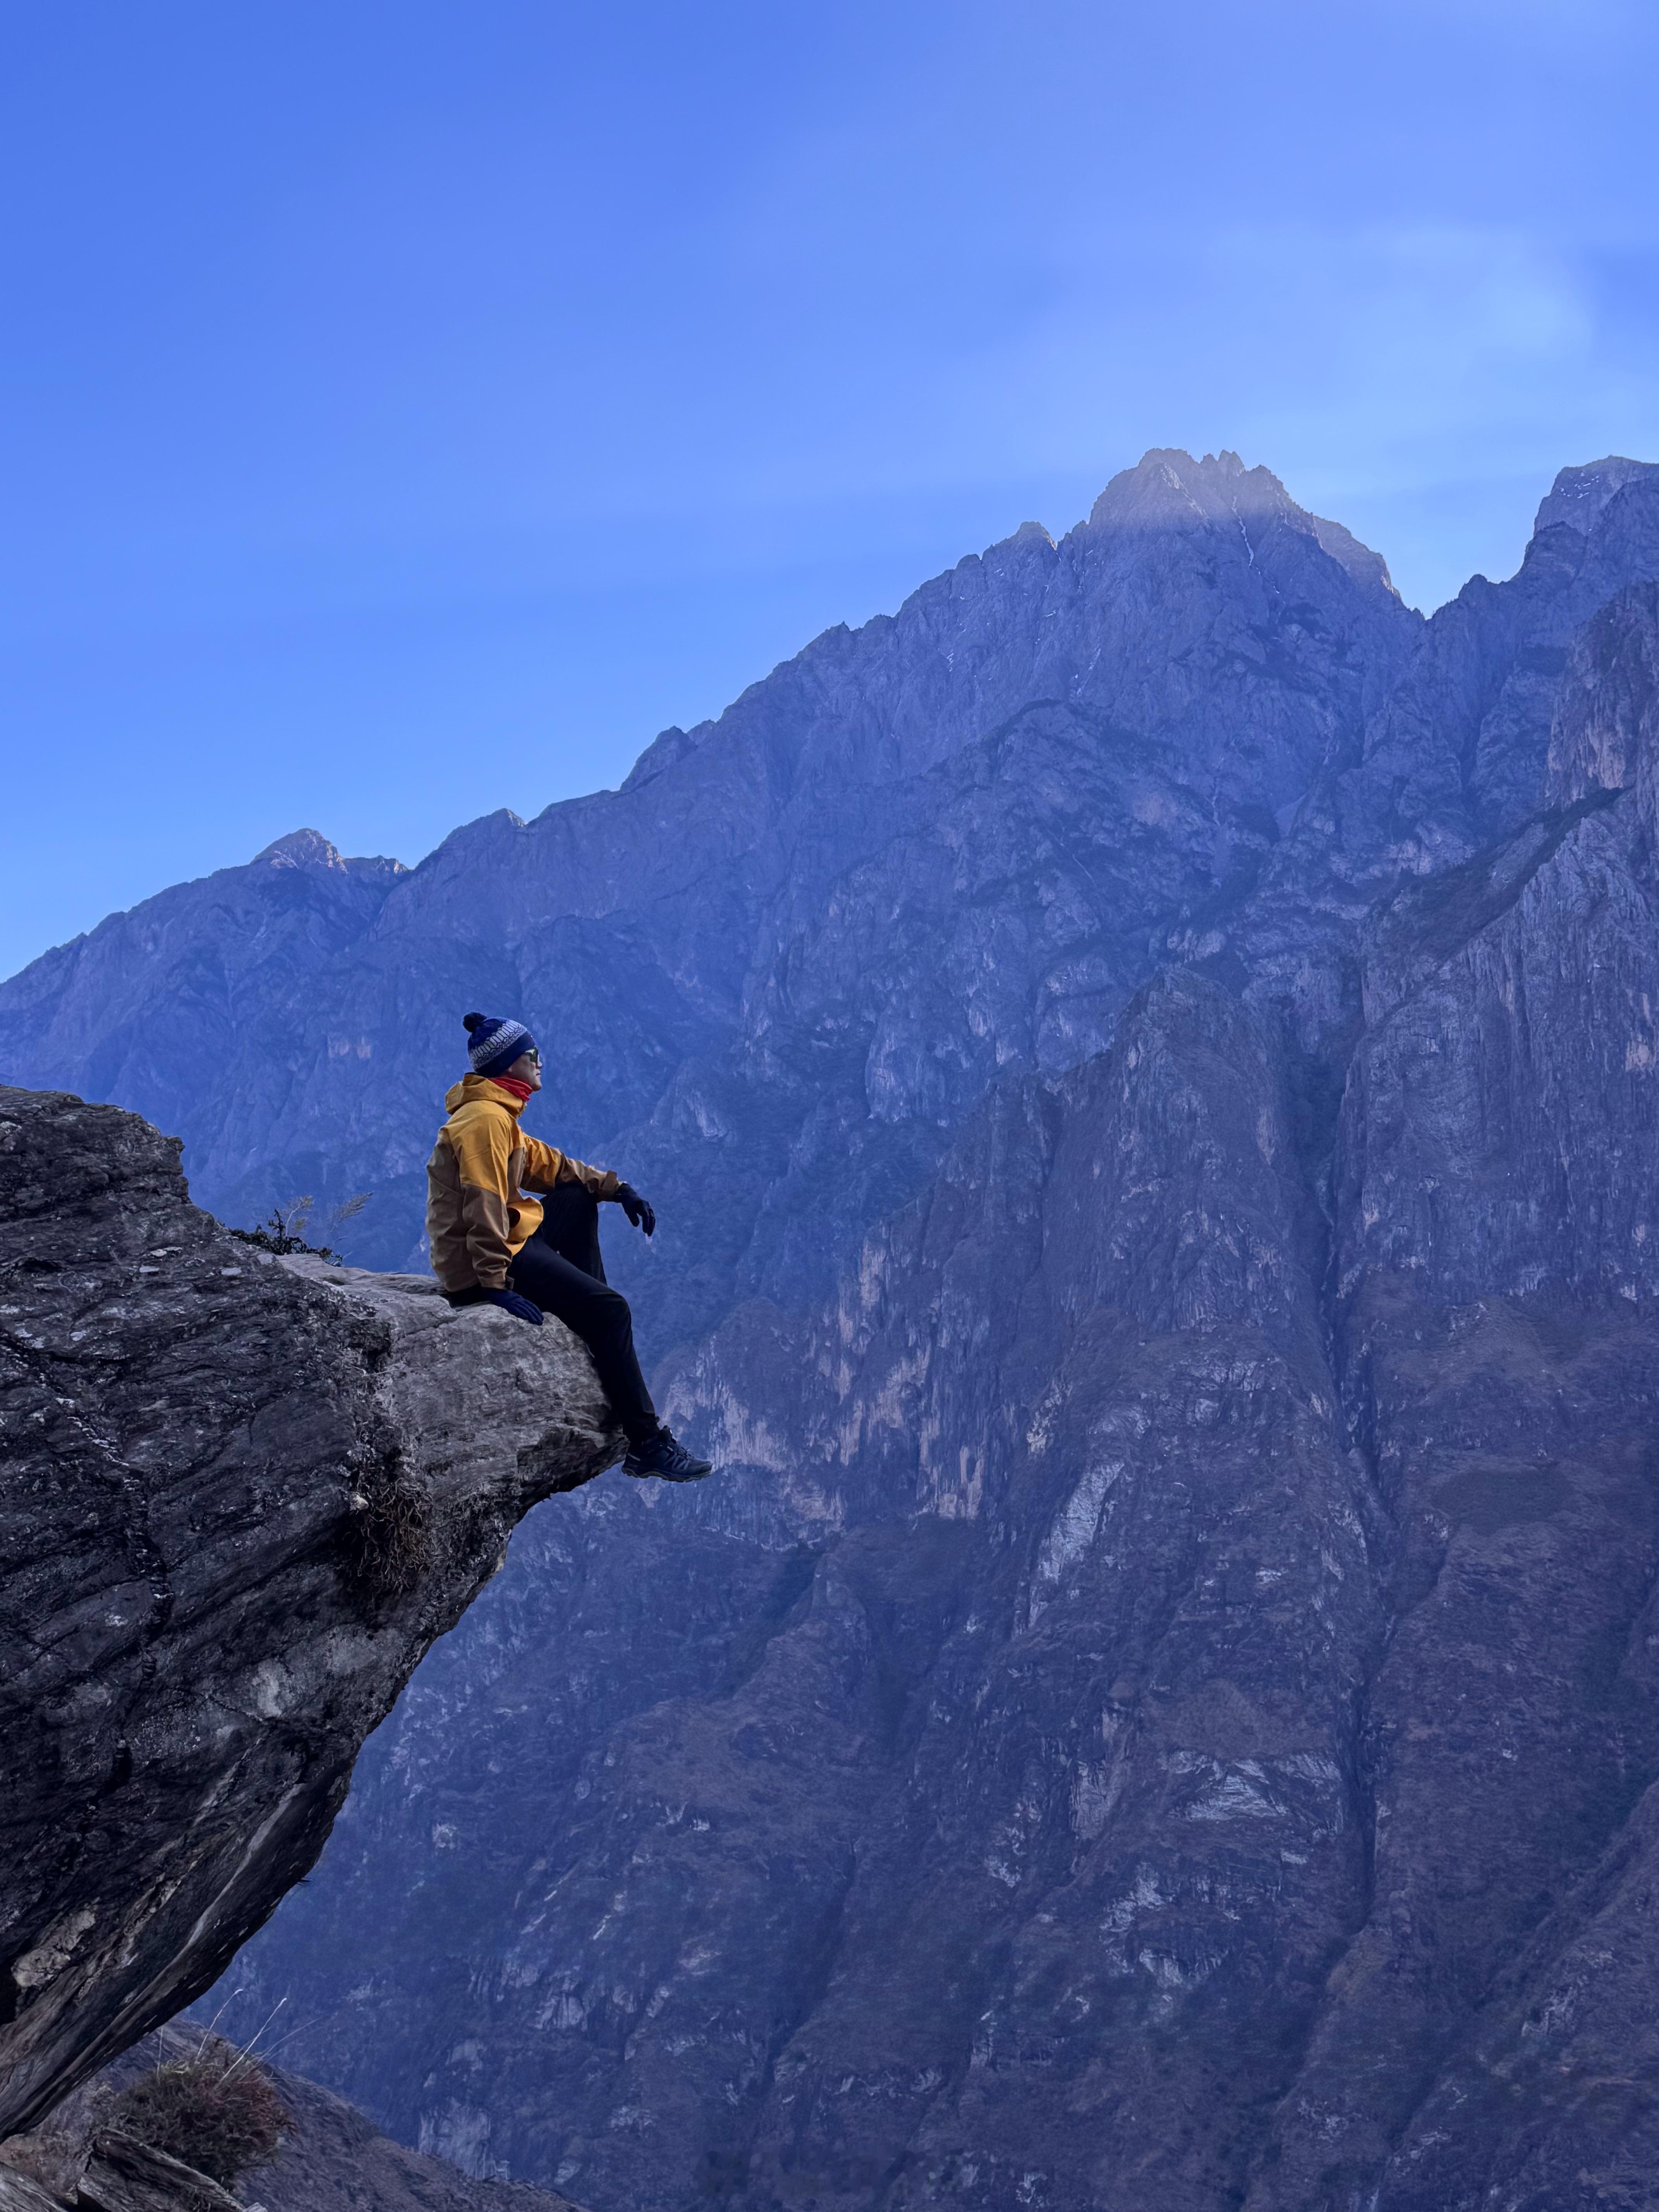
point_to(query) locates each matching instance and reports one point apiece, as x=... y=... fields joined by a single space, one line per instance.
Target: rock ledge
x=241 y=1497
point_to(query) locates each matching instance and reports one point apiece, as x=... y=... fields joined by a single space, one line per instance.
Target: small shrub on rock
x=285 y=1230
x=390 y=1541
x=217 y=2111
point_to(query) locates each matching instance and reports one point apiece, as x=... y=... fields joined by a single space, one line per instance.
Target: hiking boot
x=662 y=1457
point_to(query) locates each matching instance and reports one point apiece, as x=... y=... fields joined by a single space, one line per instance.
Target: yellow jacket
x=476 y=1214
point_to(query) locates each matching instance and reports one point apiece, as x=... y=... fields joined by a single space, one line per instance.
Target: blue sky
x=408 y=409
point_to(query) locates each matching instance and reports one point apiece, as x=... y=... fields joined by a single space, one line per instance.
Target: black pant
x=560 y=1270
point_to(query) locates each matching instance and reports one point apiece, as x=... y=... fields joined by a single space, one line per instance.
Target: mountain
x=816 y=928
x=1144 y=1061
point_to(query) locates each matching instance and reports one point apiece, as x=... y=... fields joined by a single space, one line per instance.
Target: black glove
x=640 y=1210
x=521 y=1309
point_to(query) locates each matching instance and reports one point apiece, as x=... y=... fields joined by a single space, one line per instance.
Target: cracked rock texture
x=1151 y=1105
x=330 y=2158
x=241 y=1497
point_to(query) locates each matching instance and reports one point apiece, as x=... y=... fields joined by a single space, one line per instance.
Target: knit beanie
x=496 y=1044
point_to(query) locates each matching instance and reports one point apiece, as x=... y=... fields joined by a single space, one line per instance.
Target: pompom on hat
x=495 y=1044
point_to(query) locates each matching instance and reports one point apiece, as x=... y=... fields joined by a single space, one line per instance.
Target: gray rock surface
x=1149 y=1101
x=335 y=2161
x=121 y=2174
x=242 y=1496
x=329 y=2159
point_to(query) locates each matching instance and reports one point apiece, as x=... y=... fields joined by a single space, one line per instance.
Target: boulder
x=242 y=1495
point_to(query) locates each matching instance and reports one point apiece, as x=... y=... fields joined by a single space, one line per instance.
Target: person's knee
x=611 y=1316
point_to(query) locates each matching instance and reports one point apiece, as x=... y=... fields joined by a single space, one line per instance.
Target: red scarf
x=511 y=1083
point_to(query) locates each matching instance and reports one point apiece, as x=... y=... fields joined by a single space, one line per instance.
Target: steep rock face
x=242 y=1497
x=1504 y=1350
x=1152 y=1227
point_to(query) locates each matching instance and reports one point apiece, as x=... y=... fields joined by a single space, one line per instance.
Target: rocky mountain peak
x=1579 y=496
x=309 y=848
x=1168 y=489
x=1167 y=485
x=300 y=848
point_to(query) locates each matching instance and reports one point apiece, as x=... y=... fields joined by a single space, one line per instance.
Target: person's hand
x=521 y=1309
x=640 y=1210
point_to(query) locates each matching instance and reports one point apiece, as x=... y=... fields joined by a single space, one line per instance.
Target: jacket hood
x=473 y=1090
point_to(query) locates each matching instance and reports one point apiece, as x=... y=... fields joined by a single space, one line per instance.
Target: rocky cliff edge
x=239 y=1497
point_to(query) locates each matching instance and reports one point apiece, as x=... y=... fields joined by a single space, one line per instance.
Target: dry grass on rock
x=215 y=2110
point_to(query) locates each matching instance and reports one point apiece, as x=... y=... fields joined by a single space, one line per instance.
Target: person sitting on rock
x=493 y=1245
